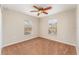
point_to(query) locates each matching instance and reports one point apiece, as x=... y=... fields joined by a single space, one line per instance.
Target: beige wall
x=78 y=29
x=0 y=29
x=66 y=27
x=13 y=27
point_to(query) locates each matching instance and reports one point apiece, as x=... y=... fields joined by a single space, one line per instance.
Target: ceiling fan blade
x=33 y=11
x=36 y=7
x=47 y=8
x=45 y=12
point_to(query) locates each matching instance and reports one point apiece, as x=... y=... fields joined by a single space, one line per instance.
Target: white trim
x=61 y=41
x=36 y=37
x=16 y=42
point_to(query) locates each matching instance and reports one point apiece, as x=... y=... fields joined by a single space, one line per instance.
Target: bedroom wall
x=0 y=29
x=13 y=27
x=77 y=29
x=66 y=28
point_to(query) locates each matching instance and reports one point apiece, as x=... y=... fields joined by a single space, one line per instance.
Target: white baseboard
x=60 y=41
x=36 y=37
x=16 y=42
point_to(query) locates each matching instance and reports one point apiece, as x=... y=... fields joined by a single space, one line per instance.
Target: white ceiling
x=26 y=8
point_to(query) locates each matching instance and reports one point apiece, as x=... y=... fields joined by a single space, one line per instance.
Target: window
x=52 y=27
x=27 y=27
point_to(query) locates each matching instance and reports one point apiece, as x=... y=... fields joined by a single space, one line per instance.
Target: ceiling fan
x=41 y=10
